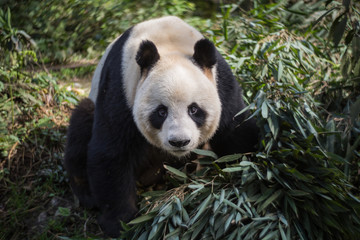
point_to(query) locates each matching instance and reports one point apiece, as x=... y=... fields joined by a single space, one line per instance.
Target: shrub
x=295 y=186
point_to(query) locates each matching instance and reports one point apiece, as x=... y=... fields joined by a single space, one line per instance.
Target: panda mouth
x=180 y=152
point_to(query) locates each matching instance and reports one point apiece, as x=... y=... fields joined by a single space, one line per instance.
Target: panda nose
x=179 y=144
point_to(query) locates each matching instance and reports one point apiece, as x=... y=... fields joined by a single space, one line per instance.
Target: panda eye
x=158 y=116
x=193 y=109
x=197 y=114
x=162 y=112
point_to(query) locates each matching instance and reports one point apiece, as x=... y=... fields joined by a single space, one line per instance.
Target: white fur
x=174 y=81
x=169 y=34
x=96 y=78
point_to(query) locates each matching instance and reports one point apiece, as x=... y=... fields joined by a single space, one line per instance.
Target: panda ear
x=147 y=55
x=204 y=53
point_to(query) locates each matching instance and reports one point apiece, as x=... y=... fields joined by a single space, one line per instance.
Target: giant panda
x=160 y=90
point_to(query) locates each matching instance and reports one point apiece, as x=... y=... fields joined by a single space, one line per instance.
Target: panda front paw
x=110 y=223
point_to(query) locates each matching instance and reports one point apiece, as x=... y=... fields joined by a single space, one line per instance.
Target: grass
x=35 y=199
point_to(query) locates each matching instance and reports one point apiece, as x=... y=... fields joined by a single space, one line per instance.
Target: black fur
x=78 y=137
x=156 y=119
x=116 y=147
x=147 y=55
x=113 y=151
x=205 y=53
x=199 y=117
x=233 y=135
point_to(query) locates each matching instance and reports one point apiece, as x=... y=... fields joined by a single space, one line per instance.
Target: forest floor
x=36 y=201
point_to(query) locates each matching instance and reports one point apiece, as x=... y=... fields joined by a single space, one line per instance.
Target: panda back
x=97 y=74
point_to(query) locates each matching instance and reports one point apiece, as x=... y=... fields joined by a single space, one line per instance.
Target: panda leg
x=112 y=180
x=78 y=137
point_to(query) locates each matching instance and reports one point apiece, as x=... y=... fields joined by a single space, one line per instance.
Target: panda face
x=176 y=105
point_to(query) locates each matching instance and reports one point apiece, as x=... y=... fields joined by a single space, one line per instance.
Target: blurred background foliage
x=86 y=27
x=298 y=63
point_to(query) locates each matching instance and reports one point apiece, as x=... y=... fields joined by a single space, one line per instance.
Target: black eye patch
x=158 y=116
x=197 y=114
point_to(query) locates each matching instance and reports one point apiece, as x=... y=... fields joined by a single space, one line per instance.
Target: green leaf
x=311 y=128
x=229 y=158
x=233 y=169
x=173 y=235
x=356 y=46
x=264 y=110
x=175 y=171
x=272 y=235
x=294 y=172
x=336 y=157
x=349 y=37
x=264 y=195
x=44 y=122
x=322 y=16
x=65 y=212
x=339 y=29
x=228 y=221
x=355 y=110
x=298 y=193
x=198 y=226
x=143 y=218
x=227 y=202
x=273 y=125
x=28 y=97
x=207 y=153
x=154 y=231
x=282 y=233
x=271 y=199
x=292 y=205
x=280 y=70
x=153 y=193
x=283 y=220
x=201 y=208
x=330 y=139
x=357 y=69
x=9 y=18
x=222 y=196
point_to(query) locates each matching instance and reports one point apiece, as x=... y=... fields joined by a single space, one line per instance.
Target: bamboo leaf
x=322 y=16
x=272 y=235
x=311 y=128
x=339 y=29
x=205 y=153
x=228 y=221
x=198 y=228
x=355 y=110
x=9 y=18
x=175 y=171
x=264 y=110
x=153 y=231
x=298 y=193
x=271 y=199
x=349 y=37
x=228 y=158
x=143 y=218
x=282 y=233
x=201 y=208
x=280 y=70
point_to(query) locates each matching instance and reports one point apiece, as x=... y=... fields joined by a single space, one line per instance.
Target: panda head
x=177 y=106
